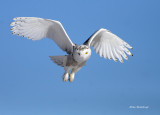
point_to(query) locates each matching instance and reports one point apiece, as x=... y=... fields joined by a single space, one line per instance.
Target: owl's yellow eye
x=86 y=53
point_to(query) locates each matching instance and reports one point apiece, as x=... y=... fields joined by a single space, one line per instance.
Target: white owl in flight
x=104 y=42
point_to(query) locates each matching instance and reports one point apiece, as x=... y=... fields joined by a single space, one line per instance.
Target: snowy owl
x=104 y=42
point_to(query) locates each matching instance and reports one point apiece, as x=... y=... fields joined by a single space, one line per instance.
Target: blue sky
x=30 y=84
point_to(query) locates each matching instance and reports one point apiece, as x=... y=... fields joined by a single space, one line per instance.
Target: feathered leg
x=72 y=74
x=65 y=75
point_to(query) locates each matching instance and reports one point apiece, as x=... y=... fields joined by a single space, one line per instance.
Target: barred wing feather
x=38 y=28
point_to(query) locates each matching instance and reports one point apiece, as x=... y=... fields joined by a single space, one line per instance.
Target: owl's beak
x=79 y=54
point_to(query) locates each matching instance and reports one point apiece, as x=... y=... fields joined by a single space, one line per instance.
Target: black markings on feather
x=109 y=31
x=86 y=42
x=81 y=47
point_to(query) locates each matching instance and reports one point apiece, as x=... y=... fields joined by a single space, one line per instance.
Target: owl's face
x=81 y=53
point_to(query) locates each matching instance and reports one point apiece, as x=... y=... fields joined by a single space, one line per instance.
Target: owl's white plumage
x=104 y=42
x=38 y=28
x=81 y=53
x=109 y=45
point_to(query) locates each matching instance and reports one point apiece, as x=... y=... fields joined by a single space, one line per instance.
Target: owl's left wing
x=109 y=45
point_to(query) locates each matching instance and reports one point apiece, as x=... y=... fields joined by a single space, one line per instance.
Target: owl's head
x=81 y=52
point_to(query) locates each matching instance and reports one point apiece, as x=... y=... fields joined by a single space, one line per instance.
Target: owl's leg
x=65 y=75
x=72 y=74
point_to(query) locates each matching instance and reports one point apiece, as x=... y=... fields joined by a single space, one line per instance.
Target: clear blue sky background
x=30 y=84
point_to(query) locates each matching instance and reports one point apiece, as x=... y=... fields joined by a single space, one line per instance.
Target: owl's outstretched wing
x=109 y=45
x=38 y=28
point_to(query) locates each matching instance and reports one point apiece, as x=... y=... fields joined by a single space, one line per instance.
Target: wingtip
x=122 y=61
x=15 y=18
x=13 y=24
x=126 y=58
x=11 y=29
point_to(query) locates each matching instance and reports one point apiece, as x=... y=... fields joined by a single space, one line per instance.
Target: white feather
x=38 y=28
x=109 y=45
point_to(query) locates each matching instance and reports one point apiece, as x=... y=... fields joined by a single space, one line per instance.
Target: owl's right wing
x=38 y=28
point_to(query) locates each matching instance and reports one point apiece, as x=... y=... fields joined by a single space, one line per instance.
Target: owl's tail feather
x=59 y=60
